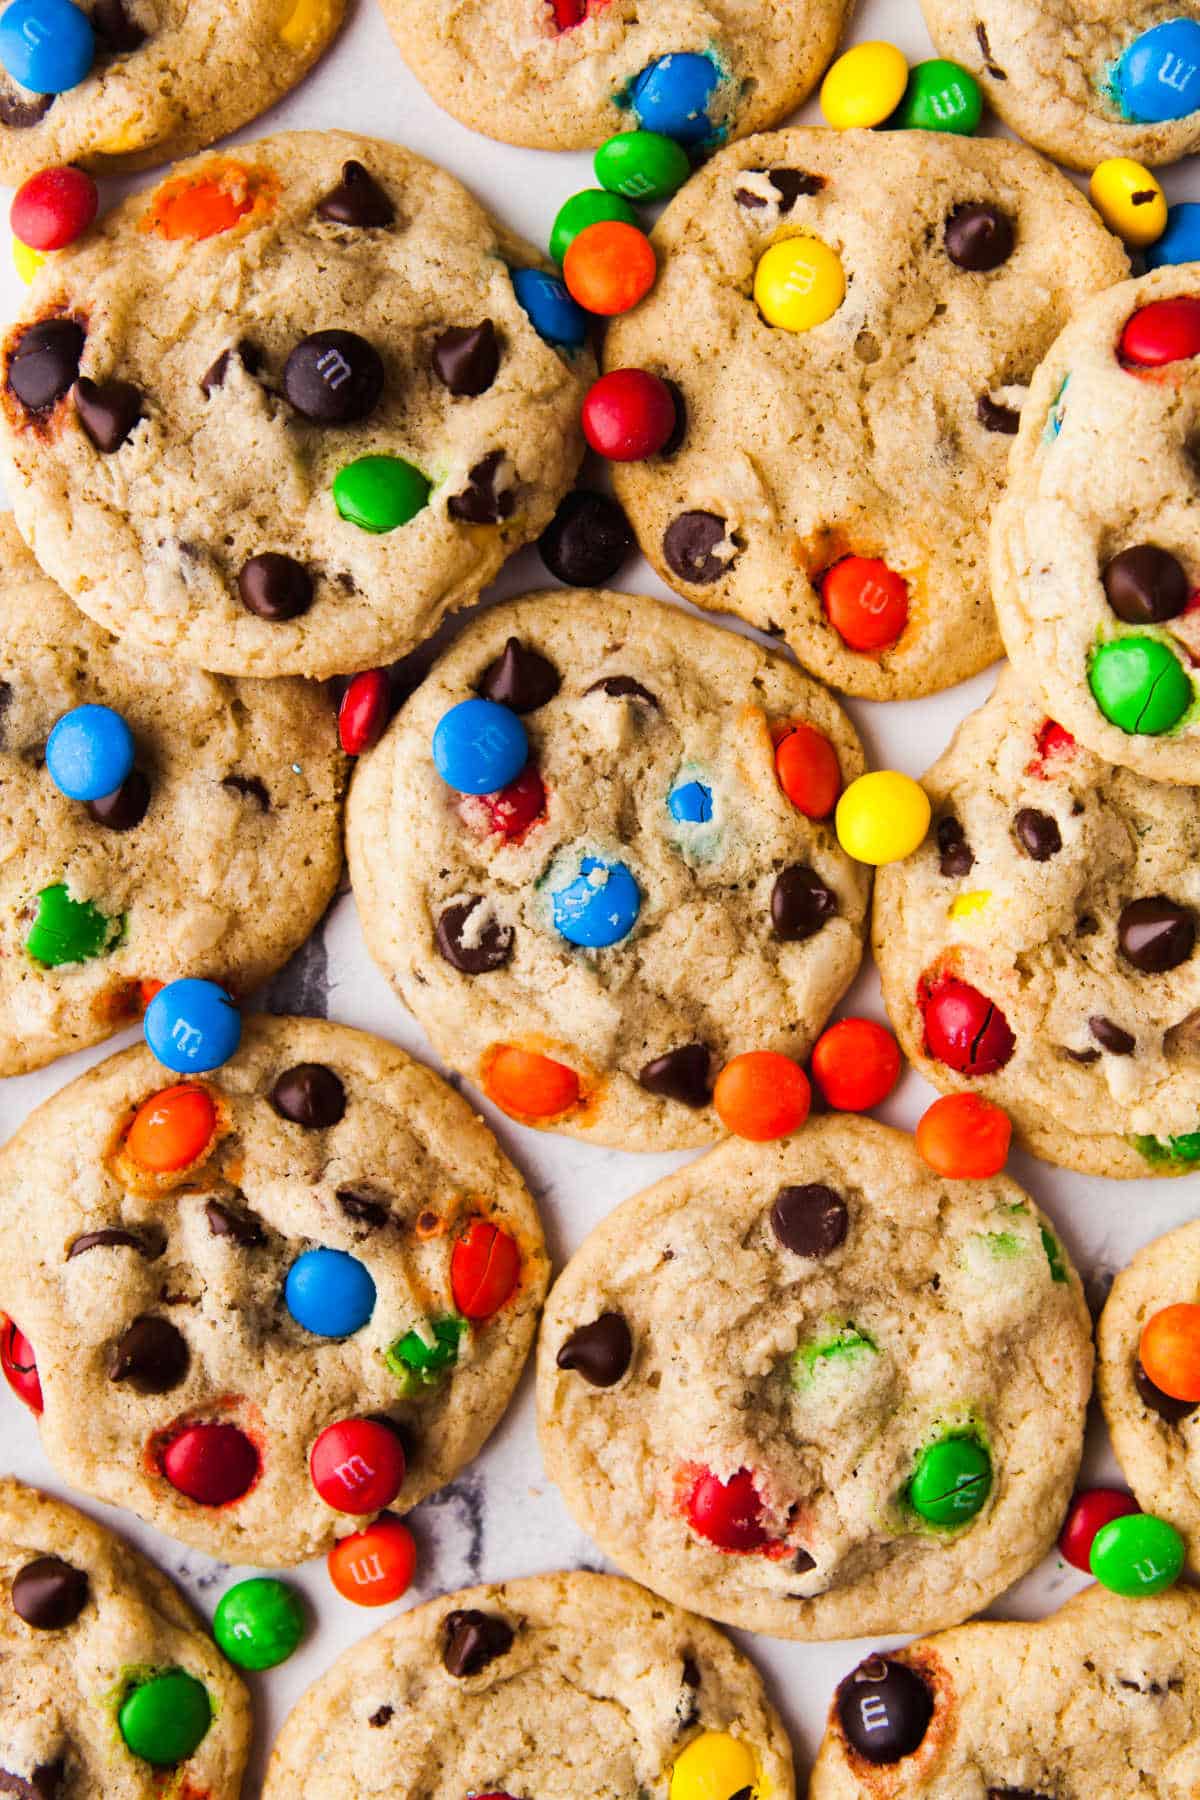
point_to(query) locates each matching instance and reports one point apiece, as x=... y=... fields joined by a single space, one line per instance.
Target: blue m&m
x=672 y=93
x=479 y=747
x=192 y=1026
x=1180 y=242
x=47 y=46
x=89 y=753
x=550 y=309
x=690 y=803
x=329 y=1293
x=1157 y=77
x=600 y=906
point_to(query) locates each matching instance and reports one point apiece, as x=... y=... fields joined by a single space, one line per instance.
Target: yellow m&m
x=1129 y=200
x=26 y=260
x=864 y=86
x=714 y=1766
x=305 y=22
x=882 y=817
x=799 y=283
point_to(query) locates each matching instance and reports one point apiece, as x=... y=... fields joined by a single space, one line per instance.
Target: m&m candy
x=940 y=96
x=600 y=906
x=807 y=769
x=363 y=712
x=172 y=1130
x=192 y=1026
x=609 y=267
x=479 y=747
x=1139 y=684
x=212 y=1462
x=628 y=414
x=330 y=1293
x=587 y=208
x=20 y=1365
x=714 y=1766
x=529 y=1085
x=259 y=1623
x=89 y=753
x=641 y=165
x=1180 y=242
x=1169 y=1351
x=762 y=1095
x=727 y=1513
x=166 y=1717
x=671 y=96
x=69 y=931
x=1129 y=200
x=964 y=1029
x=855 y=1064
x=882 y=817
x=550 y=309
x=379 y=493
x=964 y=1137
x=26 y=262
x=864 y=86
x=691 y=803
x=423 y=1355
x=1089 y=1512
x=1157 y=76
x=375 y=1566
x=799 y=283
x=865 y=602
x=47 y=46
x=1137 y=1555
x=1161 y=332
x=517 y=806
x=357 y=1465
x=951 y=1482
x=53 y=208
x=485 y=1267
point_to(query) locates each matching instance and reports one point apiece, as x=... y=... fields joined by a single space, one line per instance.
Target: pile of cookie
x=892 y=395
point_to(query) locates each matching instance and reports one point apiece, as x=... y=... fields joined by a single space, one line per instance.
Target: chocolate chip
x=231 y=1222
x=1156 y=934
x=1165 y=1405
x=587 y=540
x=482 y=501
x=49 y=1594
x=622 y=687
x=1145 y=585
x=152 y=1356
x=1082 y=1056
x=114 y=1237
x=363 y=1208
x=994 y=417
x=679 y=429
x=250 y=787
x=978 y=237
x=981 y=36
x=275 y=587
x=333 y=377
x=310 y=1095
x=885 y=1709
x=681 y=1074
x=1038 y=833
x=111 y=21
x=520 y=679
x=45 y=362
x=44 y=1784
x=1014 y=1794
x=472 y=1640
x=472 y=950
x=789 y=184
x=20 y=113
x=803 y=1563
x=108 y=411
x=600 y=1352
x=800 y=903
x=382 y=1715
x=248 y=354
x=466 y=358
x=690 y=1673
x=689 y=543
x=1111 y=1037
x=126 y=808
x=956 y=857
x=357 y=200
x=811 y=1220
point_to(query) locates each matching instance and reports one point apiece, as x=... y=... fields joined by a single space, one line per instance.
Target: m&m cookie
x=1095 y=550
x=159 y=823
x=556 y=1685
x=596 y=854
x=849 y=322
x=261 y=1306
x=1039 y=948
x=111 y=1685
x=816 y=1390
x=279 y=413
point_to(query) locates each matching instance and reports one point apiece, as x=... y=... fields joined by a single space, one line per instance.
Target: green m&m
x=259 y=1623
x=641 y=165
x=1137 y=1555
x=164 y=1718
x=421 y=1357
x=584 y=209
x=940 y=96
x=380 y=493
x=1139 y=684
x=953 y=1479
x=848 y=1347
x=69 y=931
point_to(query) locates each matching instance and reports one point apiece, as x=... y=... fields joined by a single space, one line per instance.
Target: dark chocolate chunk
x=1145 y=585
x=232 y=1222
x=789 y=184
x=1038 y=833
x=248 y=354
x=978 y=238
x=108 y=411
x=520 y=678
x=357 y=200
x=994 y=417
x=811 y=1220
x=124 y=809
x=382 y=1715
x=275 y=587
x=112 y=23
x=956 y=858
x=49 y=1594
x=689 y=543
x=622 y=687
x=114 y=1237
x=44 y=363
x=681 y=1074
x=466 y=358
x=310 y=1095
x=151 y=1355
x=46 y=1782
x=587 y=540
x=1111 y=1037
x=483 y=501
x=803 y=1563
x=600 y=1352
x=471 y=1640
x=472 y=950
x=20 y=113
x=363 y=1208
x=800 y=903
x=1156 y=934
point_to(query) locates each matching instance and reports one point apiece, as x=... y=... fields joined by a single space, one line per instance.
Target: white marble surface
x=503 y=1518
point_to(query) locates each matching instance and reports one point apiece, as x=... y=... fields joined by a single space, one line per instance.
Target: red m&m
x=357 y=1465
x=485 y=1266
x=628 y=414
x=865 y=602
x=212 y=1463
x=727 y=1513
x=1089 y=1513
x=373 y=1567
x=513 y=809
x=1165 y=331
x=363 y=712
x=53 y=208
x=20 y=1365
x=963 y=1028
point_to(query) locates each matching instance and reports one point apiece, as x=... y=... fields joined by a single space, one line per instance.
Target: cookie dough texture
x=1103 y=460
x=702 y=963
x=507 y=68
x=407 y=1149
x=230 y=869
x=1101 y=1698
x=1046 y=68
x=170 y=77
x=151 y=538
x=967 y=1328
x=1160 y=1456
x=861 y=436
x=62 y=1688
x=601 y=1688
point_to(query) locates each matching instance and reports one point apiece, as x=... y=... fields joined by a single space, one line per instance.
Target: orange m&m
x=172 y=1129
x=964 y=1137
x=762 y=1095
x=1170 y=1350
x=528 y=1085
x=609 y=267
x=373 y=1567
x=856 y=1064
x=806 y=767
x=865 y=602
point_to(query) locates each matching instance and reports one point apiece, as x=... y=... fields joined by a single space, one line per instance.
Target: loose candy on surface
x=555 y=316
x=855 y=1064
x=363 y=712
x=964 y=1137
x=762 y=1095
x=479 y=747
x=1129 y=200
x=587 y=540
x=89 y=752
x=1157 y=76
x=374 y=1566
x=165 y=1717
x=192 y=1026
x=1089 y=1512
x=863 y=86
x=629 y=414
x=672 y=94
x=609 y=266
x=589 y=207
x=47 y=46
x=641 y=165
x=1180 y=242
x=1140 y=685
x=19 y=1364
x=1137 y=1555
x=329 y=1292
x=53 y=208
x=259 y=1623
x=882 y=817
x=799 y=283
x=940 y=96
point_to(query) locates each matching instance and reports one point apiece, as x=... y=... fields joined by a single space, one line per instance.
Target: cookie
x=1095 y=553
x=201 y=1279
x=1082 y=79
x=813 y=1389
x=1101 y=1698
x=143 y=81
x=209 y=459
x=590 y=943
x=556 y=1685
x=104 y=1662
x=832 y=485
x=216 y=858
x=1153 y=1433
x=568 y=74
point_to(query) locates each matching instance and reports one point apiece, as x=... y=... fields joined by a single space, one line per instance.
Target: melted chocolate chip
x=49 y=1594
x=114 y=1237
x=357 y=200
x=472 y=950
x=978 y=238
x=1165 y=1405
x=21 y=114
x=111 y=21
x=800 y=903
x=690 y=1673
x=681 y=1074
x=803 y=1563
x=363 y=1208
x=689 y=543
x=955 y=856
x=231 y=1222
x=1156 y=934
x=152 y=1356
x=382 y=1715
x=275 y=587
x=600 y=1352
x=520 y=678
x=44 y=1784
x=483 y=501
x=248 y=354
x=124 y=809
x=250 y=787
x=885 y=1709
x=1145 y=585
x=622 y=687
x=108 y=411
x=44 y=363
x=994 y=1793
x=587 y=540
x=811 y=1220
x=789 y=184
x=994 y=417
x=310 y=1095
x=333 y=377
x=1111 y=1037
x=471 y=1640
x=466 y=358
x=1038 y=833
x=981 y=37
